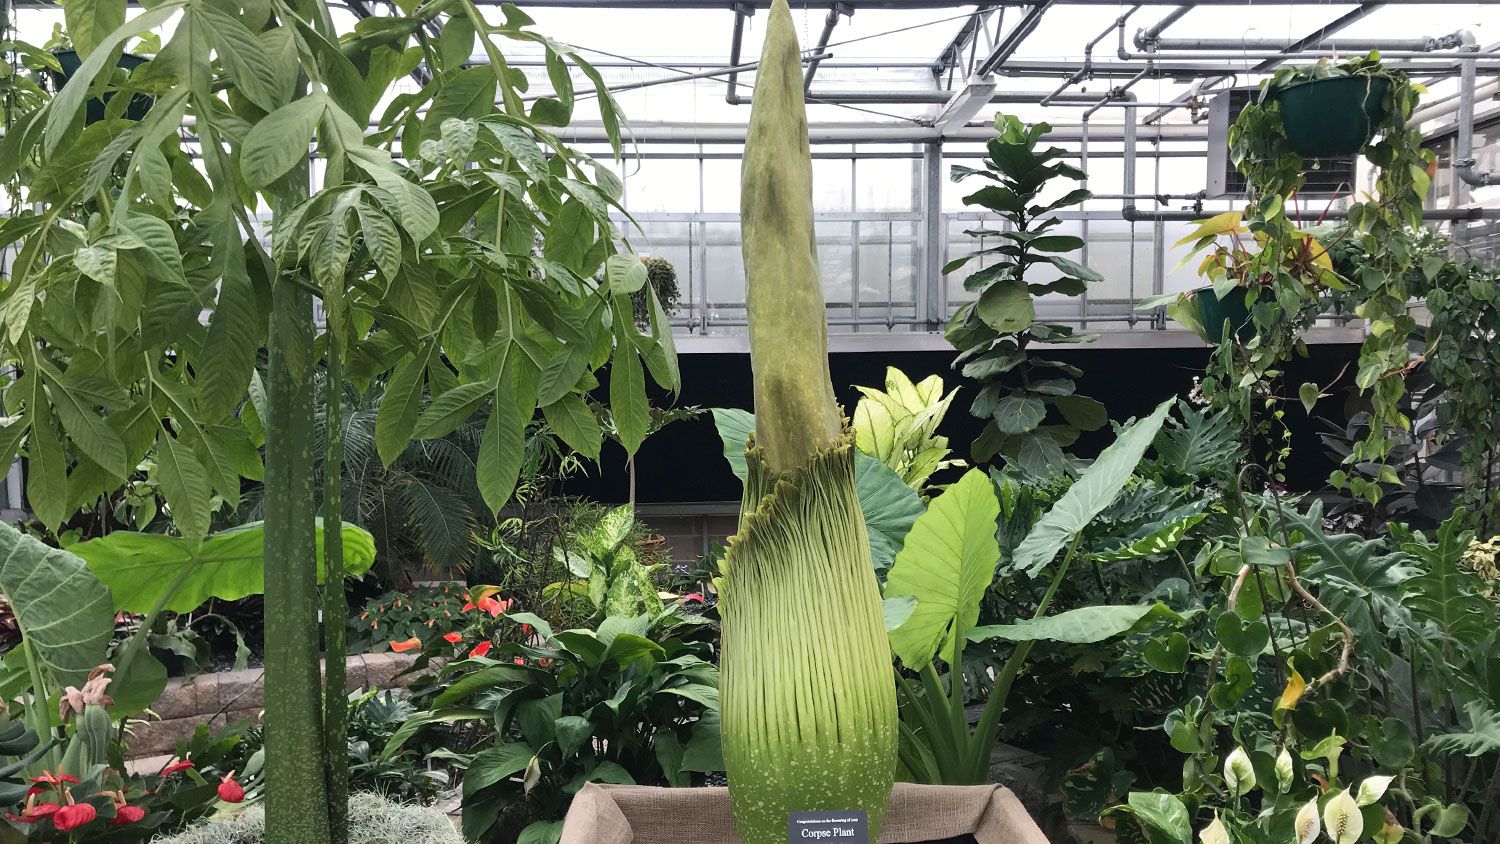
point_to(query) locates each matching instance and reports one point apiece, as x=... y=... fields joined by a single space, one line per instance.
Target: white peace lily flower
x=1239 y=774
x=1307 y=825
x=1284 y=771
x=1342 y=819
x=1372 y=789
x=1214 y=833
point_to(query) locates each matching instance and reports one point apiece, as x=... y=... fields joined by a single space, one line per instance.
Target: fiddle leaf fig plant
x=993 y=334
x=142 y=298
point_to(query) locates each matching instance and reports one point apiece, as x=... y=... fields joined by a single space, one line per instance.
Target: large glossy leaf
x=137 y=567
x=1094 y=490
x=63 y=610
x=946 y=564
x=1201 y=443
x=889 y=505
x=1082 y=626
x=735 y=427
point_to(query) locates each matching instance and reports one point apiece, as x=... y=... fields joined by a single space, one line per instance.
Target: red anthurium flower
x=691 y=596
x=454 y=638
x=126 y=815
x=526 y=629
x=36 y=813
x=74 y=816
x=480 y=649
x=468 y=606
x=231 y=791
x=491 y=606
x=177 y=768
x=506 y=604
x=519 y=661
x=411 y=644
x=55 y=779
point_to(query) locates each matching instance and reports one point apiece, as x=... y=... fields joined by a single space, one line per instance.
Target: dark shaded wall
x=683 y=462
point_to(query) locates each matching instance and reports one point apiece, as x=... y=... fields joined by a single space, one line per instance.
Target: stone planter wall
x=224 y=697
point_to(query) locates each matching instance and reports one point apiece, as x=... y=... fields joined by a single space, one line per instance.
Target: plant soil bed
x=916 y=814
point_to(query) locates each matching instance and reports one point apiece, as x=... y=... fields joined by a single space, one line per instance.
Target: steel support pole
x=932 y=306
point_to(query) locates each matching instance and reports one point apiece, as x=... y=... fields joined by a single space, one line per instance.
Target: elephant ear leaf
x=946 y=564
x=1096 y=489
x=226 y=565
x=63 y=610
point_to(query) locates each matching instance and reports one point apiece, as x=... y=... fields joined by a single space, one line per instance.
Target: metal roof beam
x=1014 y=39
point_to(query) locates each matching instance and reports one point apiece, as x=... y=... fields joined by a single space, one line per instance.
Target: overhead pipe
x=1120 y=93
x=1134 y=214
x=1088 y=55
x=1362 y=45
x=736 y=43
x=853 y=132
x=1151 y=33
x=838 y=11
x=1463 y=156
x=1436 y=64
x=940 y=97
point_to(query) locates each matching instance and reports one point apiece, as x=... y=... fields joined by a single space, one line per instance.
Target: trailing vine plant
x=1288 y=279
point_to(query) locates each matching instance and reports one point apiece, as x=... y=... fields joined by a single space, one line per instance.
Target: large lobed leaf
x=137 y=567
x=64 y=612
x=946 y=564
x=1096 y=489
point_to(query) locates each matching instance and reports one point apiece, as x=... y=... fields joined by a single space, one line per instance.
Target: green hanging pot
x=1332 y=116
x=1213 y=311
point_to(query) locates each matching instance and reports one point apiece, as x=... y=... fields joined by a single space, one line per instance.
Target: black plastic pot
x=1333 y=116
x=93 y=110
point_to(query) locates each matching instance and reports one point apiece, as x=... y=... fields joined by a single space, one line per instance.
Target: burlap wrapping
x=633 y=814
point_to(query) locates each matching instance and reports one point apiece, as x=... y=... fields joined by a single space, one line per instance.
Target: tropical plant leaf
x=735 y=427
x=1480 y=739
x=1083 y=626
x=63 y=611
x=947 y=563
x=889 y=505
x=1445 y=594
x=1203 y=442
x=144 y=568
x=1094 y=490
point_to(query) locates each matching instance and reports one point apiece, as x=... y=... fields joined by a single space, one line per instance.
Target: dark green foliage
x=993 y=334
x=633 y=701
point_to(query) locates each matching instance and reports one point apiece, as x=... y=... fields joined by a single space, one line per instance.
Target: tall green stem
x=335 y=602
x=989 y=722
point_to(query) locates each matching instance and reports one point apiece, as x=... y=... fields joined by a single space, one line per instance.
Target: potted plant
x=1284 y=281
x=1332 y=108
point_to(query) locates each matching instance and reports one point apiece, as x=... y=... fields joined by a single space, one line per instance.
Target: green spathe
x=807 y=696
x=808 y=703
x=796 y=415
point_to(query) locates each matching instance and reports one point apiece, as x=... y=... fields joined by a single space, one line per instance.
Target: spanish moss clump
x=372 y=820
x=808 y=699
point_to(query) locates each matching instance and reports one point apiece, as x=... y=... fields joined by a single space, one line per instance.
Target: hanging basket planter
x=94 y=108
x=916 y=814
x=1213 y=312
x=1336 y=115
